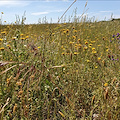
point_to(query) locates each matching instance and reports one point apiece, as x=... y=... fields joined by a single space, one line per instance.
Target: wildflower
x=4 y=32
x=76 y=53
x=96 y=67
x=67 y=30
x=71 y=42
x=19 y=83
x=117 y=34
x=39 y=47
x=63 y=53
x=8 y=80
x=79 y=45
x=2 y=12
x=53 y=34
x=90 y=45
x=94 y=51
x=99 y=58
x=21 y=34
x=64 y=32
x=106 y=84
x=75 y=31
x=74 y=37
x=86 y=42
x=26 y=37
x=2 y=48
x=113 y=35
x=62 y=46
x=92 y=41
x=85 y=48
x=22 y=38
x=13 y=38
x=88 y=60
x=9 y=46
x=1 y=39
x=73 y=27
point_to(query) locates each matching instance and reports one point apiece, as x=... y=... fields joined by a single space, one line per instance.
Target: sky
x=36 y=11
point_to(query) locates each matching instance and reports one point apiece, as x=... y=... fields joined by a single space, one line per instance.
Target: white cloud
x=40 y=13
x=47 y=12
x=106 y=11
x=14 y=3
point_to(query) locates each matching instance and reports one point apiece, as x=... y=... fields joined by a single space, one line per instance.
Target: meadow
x=65 y=71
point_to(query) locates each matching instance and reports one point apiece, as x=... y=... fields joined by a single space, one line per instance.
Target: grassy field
x=68 y=71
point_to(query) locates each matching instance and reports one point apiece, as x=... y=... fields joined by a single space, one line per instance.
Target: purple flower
x=113 y=35
x=110 y=40
x=117 y=34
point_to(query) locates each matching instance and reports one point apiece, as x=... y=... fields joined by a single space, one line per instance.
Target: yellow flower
x=63 y=53
x=62 y=46
x=76 y=53
x=2 y=48
x=1 y=39
x=13 y=38
x=64 y=32
x=86 y=42
x=93 y=48
x=74 y=37
x=9 y=46
x=75 y=31
x=90 y=45
x=39 y=47
x=53 y=34
x=22 y=38
x=96 y=67
x=19 y=83
x=85 y=48
x=67 y=30
x=106 y=84
x=27 y=37
x=94 y=51
x=71 y=42
x=88 y=60
x=99 y=58
x=4 y=32
x=21 y=34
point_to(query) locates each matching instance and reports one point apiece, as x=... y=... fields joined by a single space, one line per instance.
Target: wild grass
x=68 y=71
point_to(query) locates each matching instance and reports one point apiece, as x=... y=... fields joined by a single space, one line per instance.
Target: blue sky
x=36 y=9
